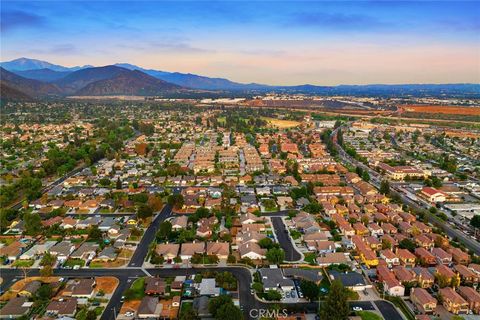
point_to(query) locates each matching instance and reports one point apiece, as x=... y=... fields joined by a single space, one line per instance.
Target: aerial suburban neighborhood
x=185 y=214
x=239 y=160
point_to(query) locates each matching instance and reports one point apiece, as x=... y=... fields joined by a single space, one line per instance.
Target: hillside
x=128 y=83
x=8 y=93
x=29 y=87
x=45 y=75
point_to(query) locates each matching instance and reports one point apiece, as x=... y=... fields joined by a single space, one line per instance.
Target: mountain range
x=26 y=78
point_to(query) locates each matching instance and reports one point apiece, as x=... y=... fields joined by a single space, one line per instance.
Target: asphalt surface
x=148 y=237
x=283 y=237
x=388 y=310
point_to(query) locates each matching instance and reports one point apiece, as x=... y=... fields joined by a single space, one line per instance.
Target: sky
x=269 y=42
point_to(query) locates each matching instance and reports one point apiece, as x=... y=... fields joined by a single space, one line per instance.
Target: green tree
x=144 y=211
x=273 y=295
x=407 y=244
x=266 y=243
x=176 y=200
x=475 y=221
x=229 y=311
x=275 y=255
x=95 y=233
x=188 y=314
x=48 y=259
x=33 y=223
x=310 y=289
x=365 y=176
x=215 y=303
x=385 y=187
x=46 y=271
x=91 y=315
x=335 y=307
x=165 y=230
x=44 y=292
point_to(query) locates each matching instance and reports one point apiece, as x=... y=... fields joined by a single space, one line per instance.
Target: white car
x=129 y=314
x=357 y=309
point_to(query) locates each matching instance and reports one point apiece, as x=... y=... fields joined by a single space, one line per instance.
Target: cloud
x=17 y=19
x=337 y=21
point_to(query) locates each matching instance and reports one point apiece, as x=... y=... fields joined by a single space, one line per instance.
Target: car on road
x=129 y=314
x=357 y=309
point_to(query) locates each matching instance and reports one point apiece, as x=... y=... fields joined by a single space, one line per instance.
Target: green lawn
x=82 y=314
x=74 y=262
x=136 y=291
x=23 y=263
x=310 y=257
x=367 y=315
x=295 y=234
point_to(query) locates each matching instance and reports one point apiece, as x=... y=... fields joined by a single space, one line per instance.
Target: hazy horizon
x=279 y=43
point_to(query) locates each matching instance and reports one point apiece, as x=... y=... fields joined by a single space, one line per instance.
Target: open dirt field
x=107 y=284
x=282 y=123
x=470 y=111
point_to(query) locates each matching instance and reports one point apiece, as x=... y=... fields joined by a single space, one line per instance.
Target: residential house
x=155 y=286
x=251 y=250
x=86 y=251
x=452 y=301
x=219 y=249
x=149 y=308
x=64 y=307
x=442 y=256
x=80 y=288
x=472 y=297
x=422 y=300
x=62 y=250
x=273 y=279
x=16 y=307
x=189 y=249
x=167 y=250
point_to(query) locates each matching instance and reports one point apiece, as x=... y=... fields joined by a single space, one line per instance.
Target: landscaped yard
x=74 y=262
x=295 y=234
x=82 y=314
x=310 y=257
x=136 y=291
x=367 y=315
x=23 y=263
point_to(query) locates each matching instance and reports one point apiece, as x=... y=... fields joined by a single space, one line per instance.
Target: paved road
x=388 y=310
x=148 y=237
x=283 y=237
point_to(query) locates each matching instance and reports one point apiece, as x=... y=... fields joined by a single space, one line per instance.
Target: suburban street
x=149 y=236
x=283 y=237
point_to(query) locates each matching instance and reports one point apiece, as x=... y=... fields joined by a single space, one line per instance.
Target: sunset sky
x=317 y=42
